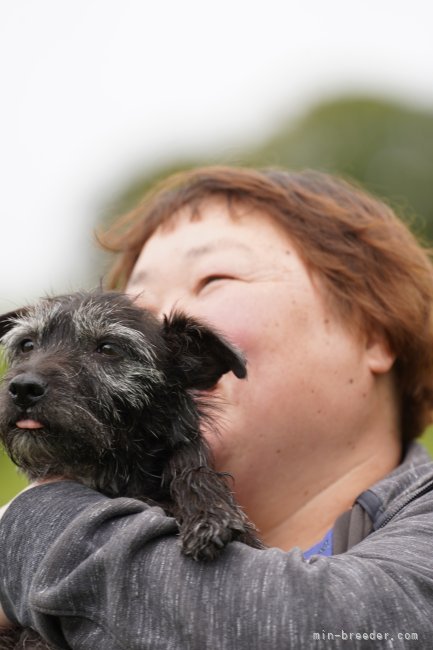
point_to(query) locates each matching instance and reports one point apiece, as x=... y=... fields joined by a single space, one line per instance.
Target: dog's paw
x=206 y=538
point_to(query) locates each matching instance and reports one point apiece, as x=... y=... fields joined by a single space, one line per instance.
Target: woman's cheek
x=233 y=320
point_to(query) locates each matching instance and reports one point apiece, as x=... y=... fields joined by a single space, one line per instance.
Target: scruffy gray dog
x=100 y=391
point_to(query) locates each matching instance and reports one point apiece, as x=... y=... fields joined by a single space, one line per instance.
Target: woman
x=330 y=298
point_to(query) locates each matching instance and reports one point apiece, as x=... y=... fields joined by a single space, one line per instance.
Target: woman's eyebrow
x=195 y=252
x=219 y=244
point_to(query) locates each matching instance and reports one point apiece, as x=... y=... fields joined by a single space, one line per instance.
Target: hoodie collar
x=408 y=480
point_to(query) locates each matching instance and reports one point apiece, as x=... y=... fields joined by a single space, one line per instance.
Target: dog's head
x=92 y=376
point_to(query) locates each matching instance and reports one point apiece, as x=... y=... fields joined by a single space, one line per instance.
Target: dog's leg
x=204 y=506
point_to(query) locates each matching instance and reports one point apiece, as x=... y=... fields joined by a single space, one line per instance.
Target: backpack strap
x=350 y=528
x=366 y=515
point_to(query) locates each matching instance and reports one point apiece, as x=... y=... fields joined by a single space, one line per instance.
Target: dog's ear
x=8 y=320
x=198 y=355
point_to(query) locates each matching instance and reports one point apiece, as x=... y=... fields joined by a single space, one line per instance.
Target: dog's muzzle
x=27 y=389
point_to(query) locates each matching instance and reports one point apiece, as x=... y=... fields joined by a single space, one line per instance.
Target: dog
x=100 y=391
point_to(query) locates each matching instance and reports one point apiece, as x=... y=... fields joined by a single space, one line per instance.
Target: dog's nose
x=27 y=389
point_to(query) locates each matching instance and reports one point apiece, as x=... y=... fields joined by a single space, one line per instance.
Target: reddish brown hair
x=374 y=270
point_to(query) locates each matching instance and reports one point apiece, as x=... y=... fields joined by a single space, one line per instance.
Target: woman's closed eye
x=213 y=279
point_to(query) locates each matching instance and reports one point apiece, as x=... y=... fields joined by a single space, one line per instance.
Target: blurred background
x=100 y=98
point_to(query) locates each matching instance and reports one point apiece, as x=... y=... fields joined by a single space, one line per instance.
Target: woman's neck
x=303 y=511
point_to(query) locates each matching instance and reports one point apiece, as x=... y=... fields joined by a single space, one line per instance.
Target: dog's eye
x=108 y=350
x=26 y=345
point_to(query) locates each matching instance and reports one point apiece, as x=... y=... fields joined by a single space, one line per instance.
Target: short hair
x=375 y=272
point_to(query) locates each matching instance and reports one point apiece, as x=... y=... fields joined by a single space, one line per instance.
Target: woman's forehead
x=251 y=241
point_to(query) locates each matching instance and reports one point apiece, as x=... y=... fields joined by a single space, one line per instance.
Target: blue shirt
x=324 y=547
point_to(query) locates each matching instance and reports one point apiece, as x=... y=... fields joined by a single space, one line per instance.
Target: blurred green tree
x=383 y=145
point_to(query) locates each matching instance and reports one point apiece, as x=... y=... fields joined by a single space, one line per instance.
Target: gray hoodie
x=95 y=573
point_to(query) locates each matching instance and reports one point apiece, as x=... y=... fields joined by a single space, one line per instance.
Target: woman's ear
x=380 y=356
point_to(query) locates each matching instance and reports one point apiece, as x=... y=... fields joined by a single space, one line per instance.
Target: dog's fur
x=119 y=397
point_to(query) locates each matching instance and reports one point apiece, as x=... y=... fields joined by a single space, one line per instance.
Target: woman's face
x=307 y=375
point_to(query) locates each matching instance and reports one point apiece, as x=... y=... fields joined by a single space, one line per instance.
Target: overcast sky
x=92 y=91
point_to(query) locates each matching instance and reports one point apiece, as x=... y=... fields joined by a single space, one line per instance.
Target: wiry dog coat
x=100 y=391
